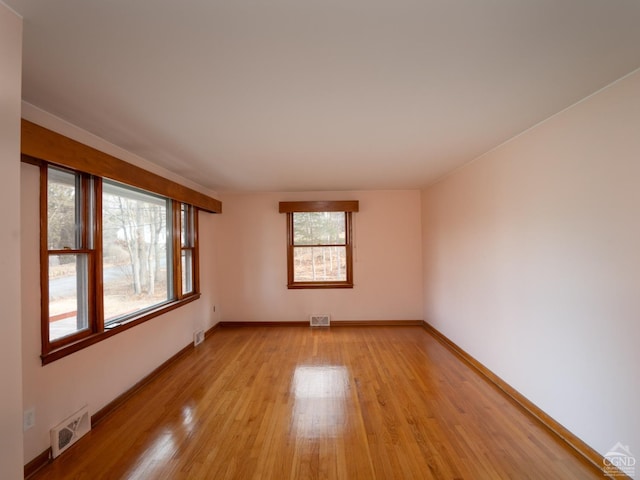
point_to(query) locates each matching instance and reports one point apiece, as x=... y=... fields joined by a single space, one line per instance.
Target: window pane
x=319 y=228
x=319 y=264
x=136 y=265
x=62 y=210
x=187 y=271
x=68 y=306
x=186 y=223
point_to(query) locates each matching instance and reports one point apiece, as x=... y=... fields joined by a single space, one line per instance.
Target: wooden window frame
x=90 y=226
x=42 y=147
x=84 y=248
x=346 y=206
x=40 y=144
x=190 y=244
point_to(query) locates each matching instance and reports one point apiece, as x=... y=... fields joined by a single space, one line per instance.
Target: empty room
x=323 y=240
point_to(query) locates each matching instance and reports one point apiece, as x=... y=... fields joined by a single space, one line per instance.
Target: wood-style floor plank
x=296 y=403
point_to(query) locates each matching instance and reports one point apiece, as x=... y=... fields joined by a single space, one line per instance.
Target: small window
x=188 y=249
x=319 y=244
x=69 y=254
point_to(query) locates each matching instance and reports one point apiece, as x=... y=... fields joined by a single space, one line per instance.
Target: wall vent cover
x=69 y=431
x=320 y=320
x=198 y=337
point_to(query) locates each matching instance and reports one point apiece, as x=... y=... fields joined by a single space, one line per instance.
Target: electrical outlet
x=214 y=309
x=29 y=419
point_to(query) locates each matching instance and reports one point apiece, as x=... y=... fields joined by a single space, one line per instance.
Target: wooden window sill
x=113 y=329
x=301 y=285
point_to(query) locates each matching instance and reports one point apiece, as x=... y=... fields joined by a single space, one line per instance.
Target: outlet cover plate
x=29 y=419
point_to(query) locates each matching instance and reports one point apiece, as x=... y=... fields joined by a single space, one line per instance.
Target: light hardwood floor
x=295 y=403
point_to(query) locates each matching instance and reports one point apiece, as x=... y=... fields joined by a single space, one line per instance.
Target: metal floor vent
x=69 y=431
x=320 y=320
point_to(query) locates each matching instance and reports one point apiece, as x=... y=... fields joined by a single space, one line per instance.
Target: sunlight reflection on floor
x=156 y=456
x=320 y=400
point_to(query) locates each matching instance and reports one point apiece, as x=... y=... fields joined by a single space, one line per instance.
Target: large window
x=319 y=244
x=112 y=255
x=136 y=253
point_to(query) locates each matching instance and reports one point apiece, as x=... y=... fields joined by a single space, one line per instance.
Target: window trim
x=41 y=144
x=346 y=206
x=91 y=226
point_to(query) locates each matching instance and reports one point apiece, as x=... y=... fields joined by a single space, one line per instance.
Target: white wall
x=387 y=260
x=11 y=461
x=98 y=374
x=532 y=264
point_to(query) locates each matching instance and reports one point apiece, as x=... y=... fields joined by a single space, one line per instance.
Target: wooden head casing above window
x=40 y=143
x=87 y=183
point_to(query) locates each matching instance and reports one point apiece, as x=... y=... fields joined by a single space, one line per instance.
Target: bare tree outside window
x=118 y=246
x=135 y=250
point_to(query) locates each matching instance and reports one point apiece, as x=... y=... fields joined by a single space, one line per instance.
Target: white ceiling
x=280 y=95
